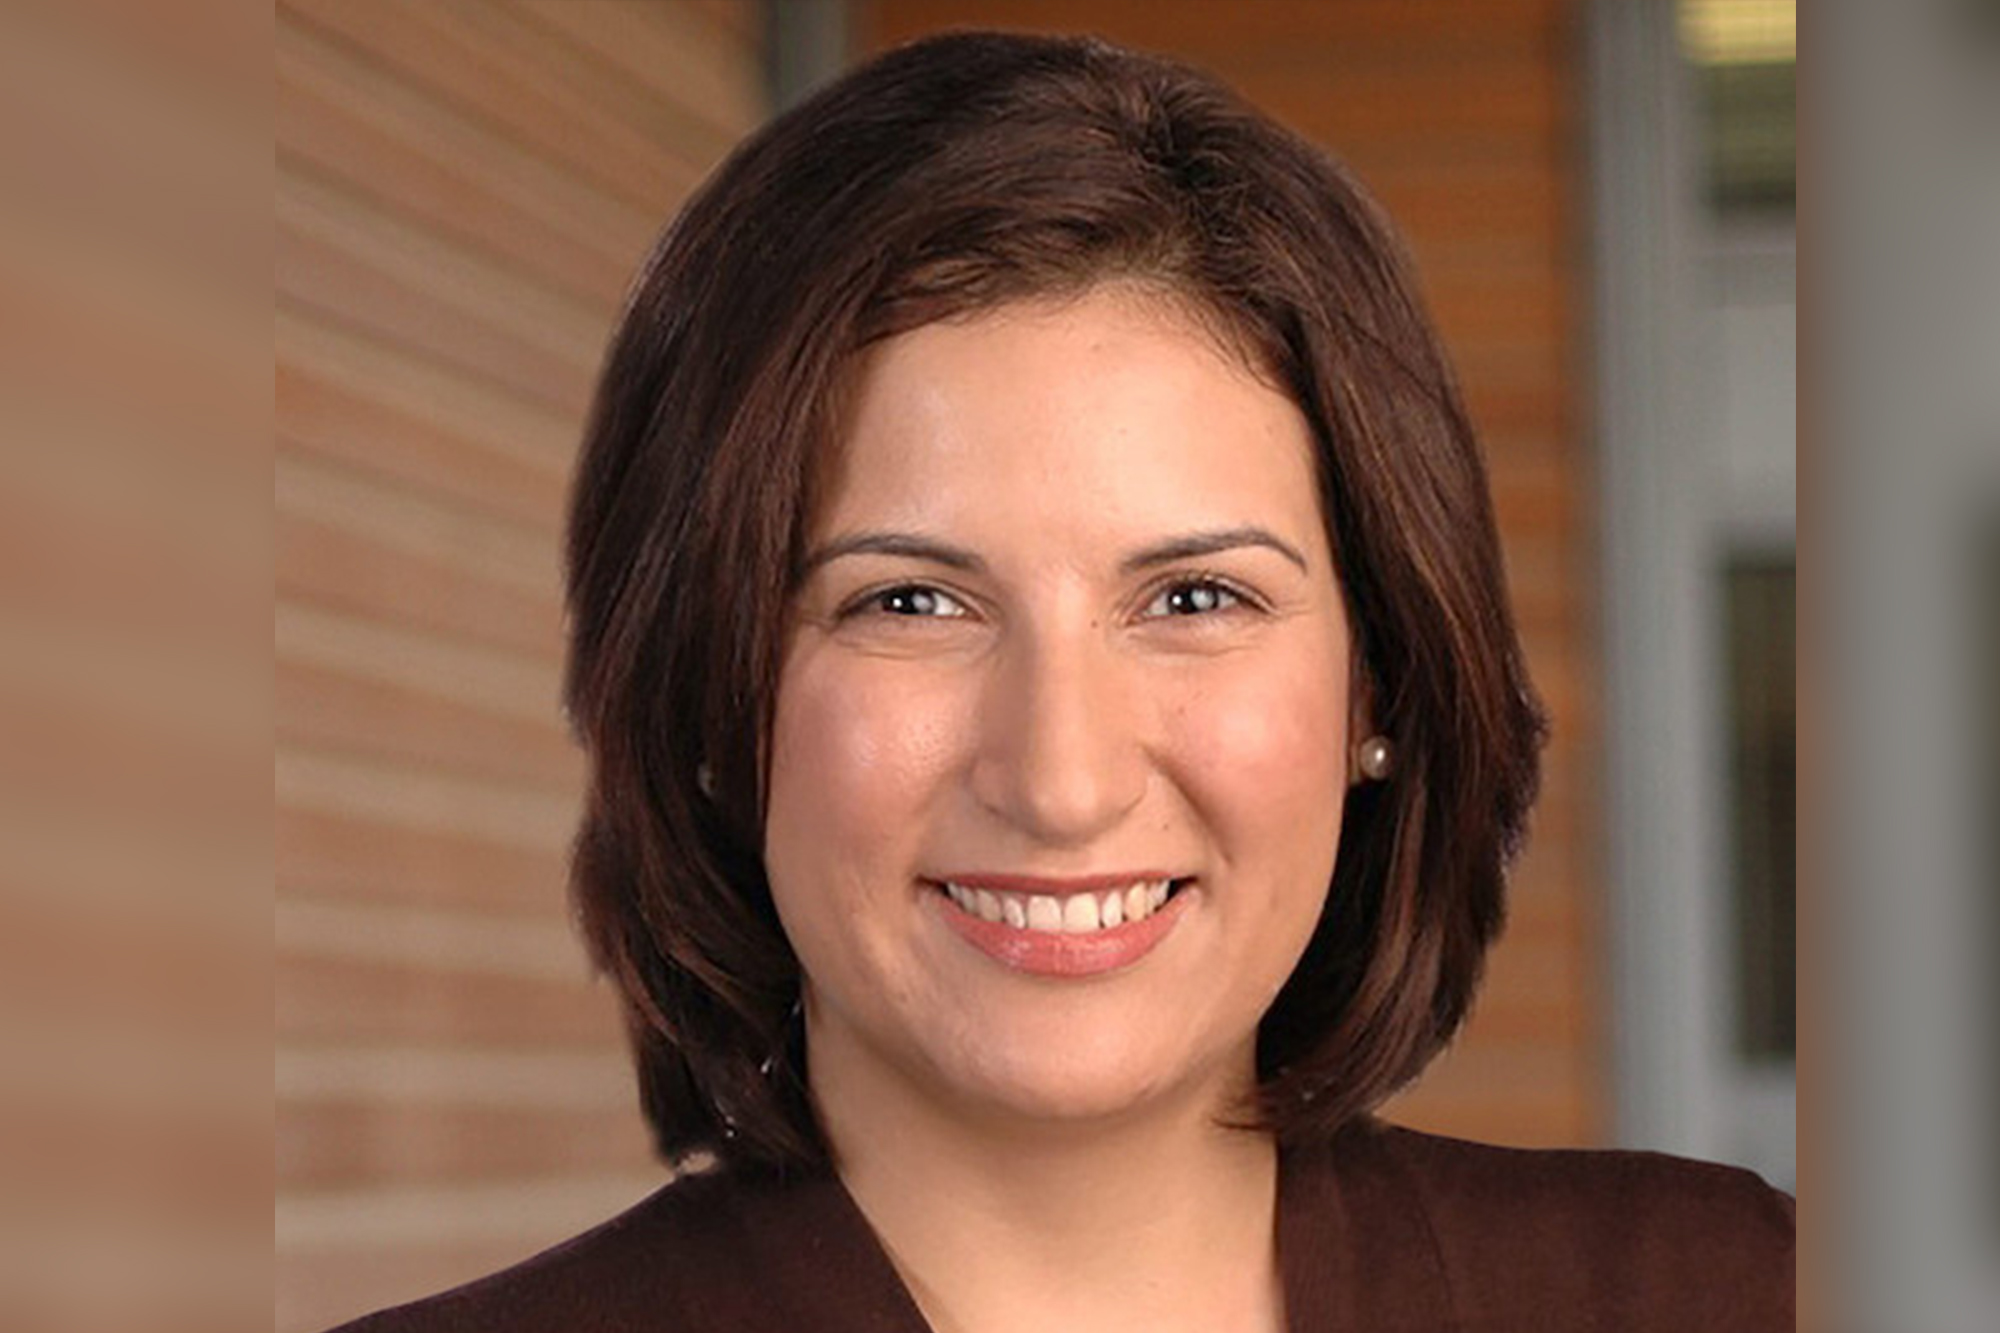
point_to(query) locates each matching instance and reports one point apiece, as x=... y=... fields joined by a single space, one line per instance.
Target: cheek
x=1265 y=753
x=854 y=752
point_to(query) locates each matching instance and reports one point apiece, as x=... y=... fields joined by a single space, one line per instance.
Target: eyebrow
x=1195 y=544
x=1185 y=547
x=907 y=544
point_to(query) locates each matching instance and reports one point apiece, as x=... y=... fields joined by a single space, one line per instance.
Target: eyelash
x=1233 y=598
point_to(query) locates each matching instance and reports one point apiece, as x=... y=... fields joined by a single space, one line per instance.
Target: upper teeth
x=1071 y=915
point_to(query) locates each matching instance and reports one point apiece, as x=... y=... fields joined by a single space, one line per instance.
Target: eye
x=1195 y=597
x=910 y=600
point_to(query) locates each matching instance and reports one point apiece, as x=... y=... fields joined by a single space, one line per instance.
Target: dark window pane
x=1763 y=728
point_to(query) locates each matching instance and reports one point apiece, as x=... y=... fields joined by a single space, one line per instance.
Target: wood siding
x=1460 y=117
x=464 y=188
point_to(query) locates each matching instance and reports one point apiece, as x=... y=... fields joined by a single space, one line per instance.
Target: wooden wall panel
x=1460 y=117
x=325 y=850
x=342 y=117
x=329 y=1142
x=373 y=274
x=465 y=187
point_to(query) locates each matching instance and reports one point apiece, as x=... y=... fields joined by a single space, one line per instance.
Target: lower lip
x=1049 y=954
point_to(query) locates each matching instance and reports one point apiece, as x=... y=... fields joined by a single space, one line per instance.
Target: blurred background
x=134 y=670
x=1601 y=204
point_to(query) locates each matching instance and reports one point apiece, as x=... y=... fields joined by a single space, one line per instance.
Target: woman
x=1057 y=734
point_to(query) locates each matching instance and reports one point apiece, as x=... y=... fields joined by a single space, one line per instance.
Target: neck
x=1157 y=1218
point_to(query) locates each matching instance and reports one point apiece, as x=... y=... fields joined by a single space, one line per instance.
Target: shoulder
x=1643 y=1240
x=1573 y=1185
x=659 y=1256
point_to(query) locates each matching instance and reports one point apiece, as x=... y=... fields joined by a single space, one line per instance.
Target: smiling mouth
x=1077 y=913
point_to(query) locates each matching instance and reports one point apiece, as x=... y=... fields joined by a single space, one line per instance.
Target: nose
x=1060 y=757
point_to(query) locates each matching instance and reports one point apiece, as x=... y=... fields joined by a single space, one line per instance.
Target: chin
x=1088 y=1083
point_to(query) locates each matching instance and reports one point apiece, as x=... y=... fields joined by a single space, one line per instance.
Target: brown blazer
x=1386 y=1229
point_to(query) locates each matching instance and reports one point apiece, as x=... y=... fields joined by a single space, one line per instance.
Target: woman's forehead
x=1115 y=407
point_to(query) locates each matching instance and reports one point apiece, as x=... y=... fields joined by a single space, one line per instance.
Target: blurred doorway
x=1696 y=241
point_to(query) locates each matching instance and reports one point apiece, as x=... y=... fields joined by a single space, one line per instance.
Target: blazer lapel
x=823 y=1262
x=1355 y=1250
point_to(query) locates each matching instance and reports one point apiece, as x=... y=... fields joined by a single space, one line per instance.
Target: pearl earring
x=1374 y=758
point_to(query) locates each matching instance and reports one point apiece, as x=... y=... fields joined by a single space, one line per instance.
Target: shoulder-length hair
x=944 y=178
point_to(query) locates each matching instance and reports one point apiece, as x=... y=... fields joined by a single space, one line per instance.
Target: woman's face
x=1070 y=639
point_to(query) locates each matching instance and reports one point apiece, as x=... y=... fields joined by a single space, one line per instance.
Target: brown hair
x=949 y=176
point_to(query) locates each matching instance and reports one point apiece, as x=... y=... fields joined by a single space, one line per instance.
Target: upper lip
x=1053 y=887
